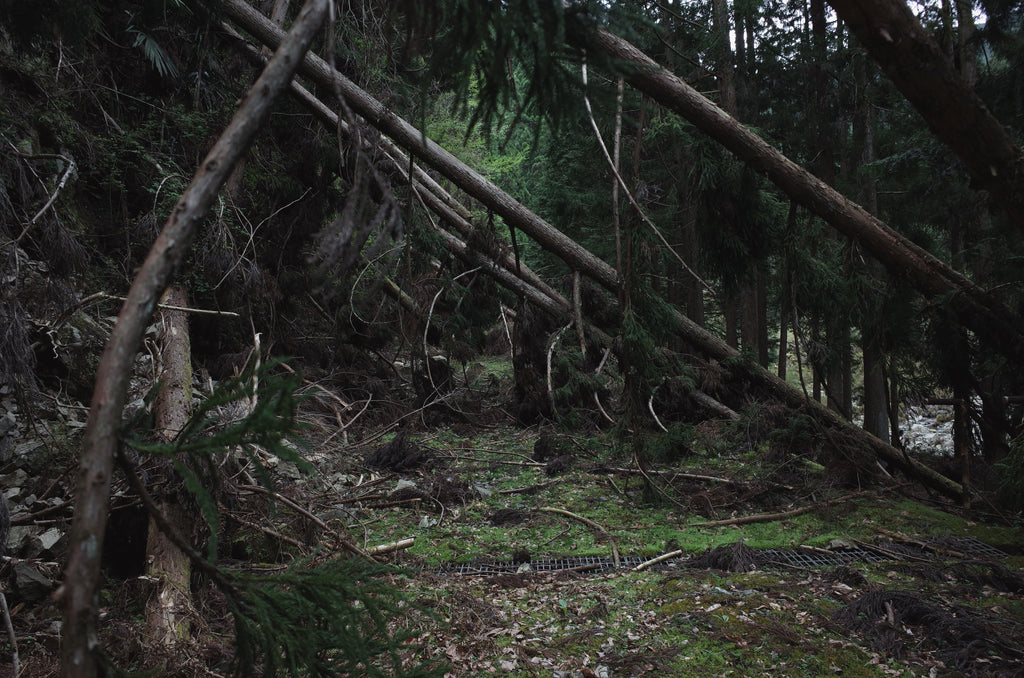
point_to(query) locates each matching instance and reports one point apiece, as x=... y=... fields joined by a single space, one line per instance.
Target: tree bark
x=167 y=621
x=975 y=309
x=833 y=368
x=915 y=63
x=876 y=418
x=81 y=575
x=558 y=243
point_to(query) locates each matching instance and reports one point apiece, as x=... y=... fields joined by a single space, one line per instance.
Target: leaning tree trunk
x=169 y=604
x=913 y=60
x=578 y=257
x=81 y=575
x=974 y=307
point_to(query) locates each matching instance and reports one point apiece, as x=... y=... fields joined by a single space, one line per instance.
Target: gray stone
x=27 y=447
x=31 y=585
x=31 y=547
x=50 y=538
x=7 y=422
x=17 y=535
x=17 y=478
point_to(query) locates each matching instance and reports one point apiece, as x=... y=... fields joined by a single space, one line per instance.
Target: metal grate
x=581 y=563
x=806 y=558
x=967 y=546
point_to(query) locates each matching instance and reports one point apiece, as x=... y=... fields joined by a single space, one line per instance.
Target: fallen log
x=973 y=306
x=571 y=252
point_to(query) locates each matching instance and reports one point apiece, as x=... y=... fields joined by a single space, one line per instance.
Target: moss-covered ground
x=681 y=621
x=475 y=491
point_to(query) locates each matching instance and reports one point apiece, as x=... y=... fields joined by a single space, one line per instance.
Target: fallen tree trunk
x=433 y=195
x=514 y=276
x=913 y=60
x=81 y=574
x=405 y=135
x=973 y=306
x=571 y=252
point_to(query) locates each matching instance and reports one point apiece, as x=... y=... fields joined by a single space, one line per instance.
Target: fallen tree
x=426 y=189
x=974 y=307
x=578 y=258
x=512 y=274
x=915 y=63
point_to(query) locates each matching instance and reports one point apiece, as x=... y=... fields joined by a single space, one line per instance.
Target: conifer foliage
x=319 y=617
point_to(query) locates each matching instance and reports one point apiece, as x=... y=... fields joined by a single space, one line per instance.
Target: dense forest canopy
x=664 y=211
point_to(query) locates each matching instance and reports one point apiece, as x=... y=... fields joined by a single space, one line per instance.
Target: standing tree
x=80 y=589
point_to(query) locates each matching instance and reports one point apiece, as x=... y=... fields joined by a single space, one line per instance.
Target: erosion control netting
x=577 y=563
x=738 y=557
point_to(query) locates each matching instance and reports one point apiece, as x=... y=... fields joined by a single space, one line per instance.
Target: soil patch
x=399 y=454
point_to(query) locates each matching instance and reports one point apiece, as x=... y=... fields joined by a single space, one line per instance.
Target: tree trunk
x=835 y=372
x=838 y=366
x=617 y=149
x=81 y=575
x=723 y=57
x=739 y=306
x=556 y=242
x=974 y=307
x=785 y=308
x=731 y=312
x=280 y=11
x=913 y=60
x=754 y=307
x=876 y=418
x=748 y=321
x=786 y=302
x=167 y=618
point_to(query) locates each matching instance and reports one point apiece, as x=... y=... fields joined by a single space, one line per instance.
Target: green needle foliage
x=271 y=406
x=330 y=620
x=334 y=618
x=479 y=47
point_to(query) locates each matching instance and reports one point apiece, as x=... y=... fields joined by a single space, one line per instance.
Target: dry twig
x=655 y=561
x=589 y=523
x=767 y=517
x=319 y=523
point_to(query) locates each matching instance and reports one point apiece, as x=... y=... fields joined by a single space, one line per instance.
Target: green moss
x=692 y=623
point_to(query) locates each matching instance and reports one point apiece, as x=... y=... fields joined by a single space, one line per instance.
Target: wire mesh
x=969 y=546
x=805 y=558
x=800 y=557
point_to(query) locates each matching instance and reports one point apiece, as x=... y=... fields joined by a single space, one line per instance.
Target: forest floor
x=516 y=559
x=507 y=538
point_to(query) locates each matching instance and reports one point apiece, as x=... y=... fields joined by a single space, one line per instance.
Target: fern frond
x=154 y=53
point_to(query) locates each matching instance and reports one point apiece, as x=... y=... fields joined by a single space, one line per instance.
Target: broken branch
x=393 y=546
x=767 y=517
x=589 y=523
x=655 y=561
